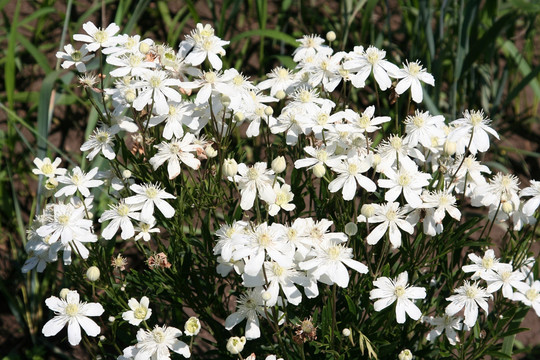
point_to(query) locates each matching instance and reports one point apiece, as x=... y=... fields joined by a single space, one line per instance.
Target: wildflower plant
x=249 y=231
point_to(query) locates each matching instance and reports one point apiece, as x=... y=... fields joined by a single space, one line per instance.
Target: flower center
x=155 y=81
x=72 y=309
x=418 y=121
x=47 y=169
x=334 y=252
x=140 y=313
x=281 y=198
x=175 y=149
x=531 y=294
x=283 y=74
x=471 y=292
x=404 y=179
x=322 y=118
x=101 y=36
x=414 y=68
x=372 y=56
x=364 y=121
x=210 y=77
x=324 y=65
x=130 y=43
x=151 y=192
x=304 y=96
x=145 y=227
x=487 y=263
x=396 y=142
x=123 y=210
x=476 y=119
x=264 y=240
x=63 y=219
x=322 y=155
x=505 y=276
x=353 y=169
x=252 y=174
x=76 y=55
x=278 y=270
x=399 y=291
x=134 y=60
x=76 y=179
x=238 y=80
x=102 y=137
x=159 y=336
x=391 y=215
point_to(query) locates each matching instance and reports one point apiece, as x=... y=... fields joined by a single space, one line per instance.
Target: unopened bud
x=92 y=274
x=144 y=48
x=63 y=293
x=280 y=94
x=266 y=296
x=368 y=210
x=319 y=170
x=239 y=116
x=330 y=36
x=126 y=174
x=346 y=332
x=111 y=319
x=230 y=167
x=351 y=229
x=279 y=164
x=51 y=184
x=210 y=151
x=225 y=100
x=130 y=96
x=450 y=148
x=192 y=326
x=268 y=111
x=507 y=207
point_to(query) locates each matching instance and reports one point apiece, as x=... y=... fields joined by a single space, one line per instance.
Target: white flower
x=145 y=229
x=408 y=181
x=486 y=264
x=179 y=114
x=390 y=290
x=283 y=198
x=530 y=297
x=280 y=79
x=48 y=169
x=327 y=263
x=362 y=123
x=422 y=128
x=139 y=311
x=249 y=306
x=473 y=128
x=253 y=180
x=349 y=175
x=102 y=140
x=323 y=155
x=156 y=87
x=506 y=278
x=75 y=313
x=410 y=76
x=205 y=45
x=447 y=324
x=310 y=45
x=372 y=60
x=390 y=215
x=443 y=202
x=67 y=223
x=155 y=344
x=469 y=296
x=121 y=216
x=98 y=37
x=74 y=57
x=235 y=344
x=149 y=195
x=502 y=188
x=192 y=326
x=78 y=181
x=532 y=204
x=174 y=152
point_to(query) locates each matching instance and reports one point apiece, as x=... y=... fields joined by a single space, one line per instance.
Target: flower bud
x=126 y=174
x=192 y=326
x=319 y=170
x=405 y=355
x=266 y=296
x=507 y=207
x=92 y=274
x=268 y=111
x=63 y=293
x=235 y=345
x=280 y=94
x=230 y=167
x=144 y=48
x=130 y=96
x=368 y=210
x=239 y=116
x=279 y=164
x=346 y=332
x=330 y=36
x=351 y=229
x=225 y=100
x=450 y=148
x=210 y=151
x=111 y=319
